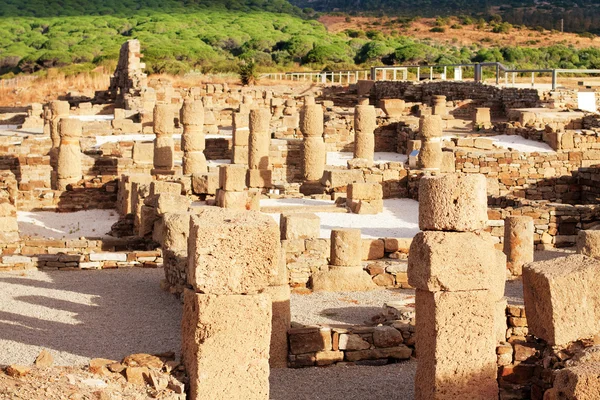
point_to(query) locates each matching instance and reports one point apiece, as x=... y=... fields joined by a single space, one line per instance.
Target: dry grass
x=466 y=36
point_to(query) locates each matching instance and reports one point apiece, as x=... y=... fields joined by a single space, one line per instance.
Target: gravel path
x=78 y=315
x=393 y=381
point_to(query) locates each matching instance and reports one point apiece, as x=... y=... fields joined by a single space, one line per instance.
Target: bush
x=248 y=73
x=437 y=29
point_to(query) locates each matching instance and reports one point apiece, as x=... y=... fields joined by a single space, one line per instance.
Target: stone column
x=176 y=228
x=482 y=118
x=439 y=106
x=192 y=139
x=68 y=168
x=430 y=154
x=259 y=174
x=345 y=270
x=58 y=110
x=163 y=144
x=365 y=122
x=518 y=242
x=232 y=187
x=241 y=135
x=227 y=318
x=9 y=228
x=459 y=279
x=311 y=126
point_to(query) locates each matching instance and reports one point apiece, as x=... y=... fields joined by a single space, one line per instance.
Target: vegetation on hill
x=220 y=35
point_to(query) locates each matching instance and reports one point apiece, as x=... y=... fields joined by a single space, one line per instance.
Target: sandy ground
x=74 y=225
x=521 y=144
x=399 y=219
x=342 y=158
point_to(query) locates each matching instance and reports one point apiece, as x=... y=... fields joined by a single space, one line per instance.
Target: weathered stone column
x=163 y=144
x=9 y=228
x=58 y=110
x=459 y=279
x=259 y=174
x=518 y=242
x=227 y=319
x=68 y=168
x=176 y=229
x=365 y=122
x=241 y=136
x=232 y=187
x=345 y=270
x=311 y=126
x=439 y=105
x=192 y=139
x=430 y=154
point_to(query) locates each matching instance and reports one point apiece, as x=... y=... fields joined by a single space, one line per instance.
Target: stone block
x=226 y=345
x=299 y=226
x=176 y=203
x=240 y=154
x=365 y=191
x=581 y=382
x=280 y=323
x=392 y=107
x=518 y=242
x=232 y=177
x=588 y=243
x=342 y=177
x=8 y=224
x=205 y=183
x=346 y=247
x=232 y=252
x=453 y=202
x=365 y=206
x=454 y=366
x=453 y=262
x=310 y=340
x=500 y=325
x=233 y=200
x=483 y=143
x=561 y=298
x=342 y=279
x=176 y=232
x=157 y=187
x=143 y=152
x=260 y=178
x=373 y=249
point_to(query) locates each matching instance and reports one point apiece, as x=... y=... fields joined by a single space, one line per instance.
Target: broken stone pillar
x=577 y=382
x=365 y=198
x=125 y=193
x=392 y=107
x=58 y=110
x=345 y=270
x=561 y=298
x=259 y=173
x=232 y=187
x=439 y=106
x=176 y=229
x=192 y=139
x=163 y=144
x=518 y=242
x=9 y=228
x=241 y=135
x=365 y=122
x=482 y=118
x=227 y=318
x=68 y=168
x=430 y=154
x=311 y=125
x=459 y=279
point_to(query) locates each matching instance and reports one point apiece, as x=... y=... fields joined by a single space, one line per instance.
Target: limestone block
x=453 y=202
x=8 y=224
x=167 y=202
x=232 y=200
x=373 y=249
x=453 y=262
x=430 y=155
x=299 y=226
x=314 y=158
x=482 y=116
x=241 y=137
x=500 y=325
x=143 y=152
x=241 y=121
x=164 y=149
x=581 y=382
x=259 y=140
x=448 y=162
x=453 y=366
x=163 y=120
x=336 y=178
x=176 y=231
x=232 y=177
x=588 y=243
x=253 y=203
x=346 y=247
x=192 y=112
x=365 y=206
x=205 y=183
x=392 y=107
x=281 y=322
x=311 y=120
x=194 y=162
x=310 y=340
x=342 y=279
x=365 y=191
x=157 y=187
x=239 y=154
x=147 y=218
x=518 y=242
x=226 y=345
x=561 y=298
x=260 y=178
x=232 y=252
x=430 y=126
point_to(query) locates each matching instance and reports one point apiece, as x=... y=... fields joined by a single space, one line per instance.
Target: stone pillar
x=259 y=174
x=58 y=110
x=176 y=229
x=430 y=154
x=9 y=228
x=192 y=139
x=345 y=270
x=482 y=118
x=232 y=187
x=439 y=105
x=459 y=279
x=365 y=198
x=311 y=126
x=365 y=122
x=227 y=319
x=241 y=135
x=68 y=168
x=163 y=144
x=518 y=242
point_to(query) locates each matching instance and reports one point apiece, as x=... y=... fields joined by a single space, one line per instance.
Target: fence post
x=554 y=79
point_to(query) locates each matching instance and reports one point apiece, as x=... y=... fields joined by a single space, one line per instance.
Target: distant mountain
x=576 y=15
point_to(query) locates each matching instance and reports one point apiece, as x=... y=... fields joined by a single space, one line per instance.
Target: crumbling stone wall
x=129 y=78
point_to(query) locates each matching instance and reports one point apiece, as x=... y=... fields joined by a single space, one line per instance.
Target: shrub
x=248 y=73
